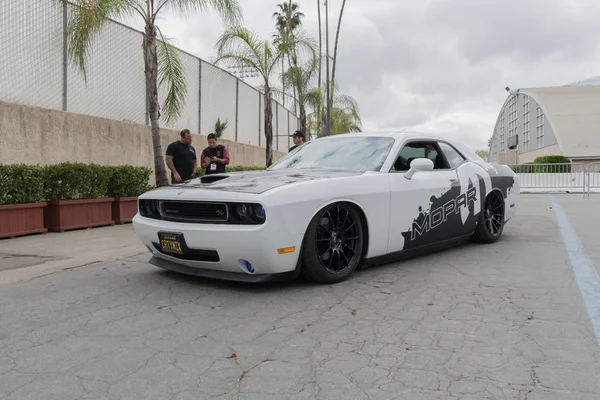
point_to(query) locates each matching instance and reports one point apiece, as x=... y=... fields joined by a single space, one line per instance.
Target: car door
x=423 y=209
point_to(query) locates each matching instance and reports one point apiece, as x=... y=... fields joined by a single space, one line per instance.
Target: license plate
x=171 y=242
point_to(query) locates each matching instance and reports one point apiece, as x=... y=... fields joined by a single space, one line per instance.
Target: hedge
x=128 y=181
x=540 y=165
x=20 y=183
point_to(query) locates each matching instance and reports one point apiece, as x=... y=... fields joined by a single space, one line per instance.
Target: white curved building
x=554 y=120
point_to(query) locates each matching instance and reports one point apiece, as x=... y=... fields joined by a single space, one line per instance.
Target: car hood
x=260 y=181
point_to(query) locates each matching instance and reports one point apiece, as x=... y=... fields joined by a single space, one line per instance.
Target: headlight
x=258 y=213
x=241 y=211
x=247 y=213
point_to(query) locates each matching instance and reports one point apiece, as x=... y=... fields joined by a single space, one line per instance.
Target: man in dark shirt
x=215 y=157
x=181 y=158
x=298 y=138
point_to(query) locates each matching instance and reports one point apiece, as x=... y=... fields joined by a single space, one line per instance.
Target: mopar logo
x=440 y=214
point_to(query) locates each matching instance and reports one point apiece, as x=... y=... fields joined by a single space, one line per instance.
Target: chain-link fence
x=35 y=70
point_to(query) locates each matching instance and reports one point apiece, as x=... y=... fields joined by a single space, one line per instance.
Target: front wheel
x=333 y=244
x=491 y=219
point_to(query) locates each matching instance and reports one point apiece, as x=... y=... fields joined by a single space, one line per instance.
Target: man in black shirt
x=298 y=138
x=181 y=158
x=215 y=157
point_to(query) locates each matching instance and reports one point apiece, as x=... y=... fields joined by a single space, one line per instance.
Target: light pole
x=328 y=129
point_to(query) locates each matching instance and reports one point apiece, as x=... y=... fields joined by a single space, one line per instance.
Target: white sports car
x=327 y=208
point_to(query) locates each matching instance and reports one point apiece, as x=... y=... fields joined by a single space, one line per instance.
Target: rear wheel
x=333 y=244
x=491 y=219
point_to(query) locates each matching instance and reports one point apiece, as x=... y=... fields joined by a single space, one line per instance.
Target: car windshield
x=350 y=153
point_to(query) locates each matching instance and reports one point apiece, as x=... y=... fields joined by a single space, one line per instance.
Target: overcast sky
x=432 y=65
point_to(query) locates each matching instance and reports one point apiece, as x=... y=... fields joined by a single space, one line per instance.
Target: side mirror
x=419 y=165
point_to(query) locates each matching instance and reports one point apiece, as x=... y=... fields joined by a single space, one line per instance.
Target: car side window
x=454 y=158
x=413 y=150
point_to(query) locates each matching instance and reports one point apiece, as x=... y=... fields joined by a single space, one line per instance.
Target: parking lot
x=500 y=321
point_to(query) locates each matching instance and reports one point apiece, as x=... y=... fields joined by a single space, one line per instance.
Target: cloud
x=432 y=65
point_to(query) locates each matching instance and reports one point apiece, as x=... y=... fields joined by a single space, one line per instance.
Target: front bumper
x=218 y=249
x=223 y=275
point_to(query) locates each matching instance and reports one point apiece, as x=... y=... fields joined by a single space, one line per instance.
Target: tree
x=161 y=61
x=247 y=48
x=345 y=114
x=335 y=47
x=482 y=153
x=287 y=20
x=220 y=127
x=300 y=77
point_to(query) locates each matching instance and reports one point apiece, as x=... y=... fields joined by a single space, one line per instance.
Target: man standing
x=215 y=157
x=181 y=158
x=298 y=138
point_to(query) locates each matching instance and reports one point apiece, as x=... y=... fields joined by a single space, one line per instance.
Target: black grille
x=193 y=211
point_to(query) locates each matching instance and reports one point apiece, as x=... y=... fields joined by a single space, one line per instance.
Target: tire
x=333 y=244
x=491 y=219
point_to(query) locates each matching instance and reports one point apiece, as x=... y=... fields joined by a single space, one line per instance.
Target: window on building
x=525 y=123
x=540 y=128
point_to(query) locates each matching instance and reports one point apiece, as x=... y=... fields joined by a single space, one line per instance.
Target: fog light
x=246 y=266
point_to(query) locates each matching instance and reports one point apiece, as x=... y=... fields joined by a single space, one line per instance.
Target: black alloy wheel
x=334 y=244
x=491 y=219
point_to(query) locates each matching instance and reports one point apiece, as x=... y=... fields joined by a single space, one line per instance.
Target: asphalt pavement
x=503 y=321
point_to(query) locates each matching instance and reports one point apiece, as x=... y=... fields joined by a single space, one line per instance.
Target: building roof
x=573 y=111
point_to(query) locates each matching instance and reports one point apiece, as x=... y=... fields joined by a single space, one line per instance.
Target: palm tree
x=344 y=113
x=300 y=77
x=335 y=47
x=288 y=19
x=248 y=49
x=320 y=43
x=161 y=61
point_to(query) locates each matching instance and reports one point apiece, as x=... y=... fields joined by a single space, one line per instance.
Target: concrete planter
x=22 y=219
x=63 y=215
x=124 y=209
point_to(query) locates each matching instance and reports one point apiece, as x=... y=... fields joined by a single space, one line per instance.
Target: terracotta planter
x=21 y=219
x=124 y=209
x=63 y=215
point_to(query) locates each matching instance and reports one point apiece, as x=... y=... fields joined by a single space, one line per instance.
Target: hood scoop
x=212 y=178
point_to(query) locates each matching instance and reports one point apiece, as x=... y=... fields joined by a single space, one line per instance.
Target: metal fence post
x=66 y=56
x=200 y=97
x=288 y=128
x=276 y=121
x=259 y=109
x=237 y=107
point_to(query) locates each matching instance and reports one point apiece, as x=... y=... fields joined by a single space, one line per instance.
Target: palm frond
x=229 y=10
x=241 y=44
x=172 y=74
x=86 y=21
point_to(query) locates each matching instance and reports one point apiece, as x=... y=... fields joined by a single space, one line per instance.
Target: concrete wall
x=34 y=135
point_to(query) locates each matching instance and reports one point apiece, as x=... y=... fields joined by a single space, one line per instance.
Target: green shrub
x=555 y=159
x=552 y=159
x=128 y=181
x=21 y=184
x=542 y=165
x=234 y=168
x=73 y=181
x=523 y=168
